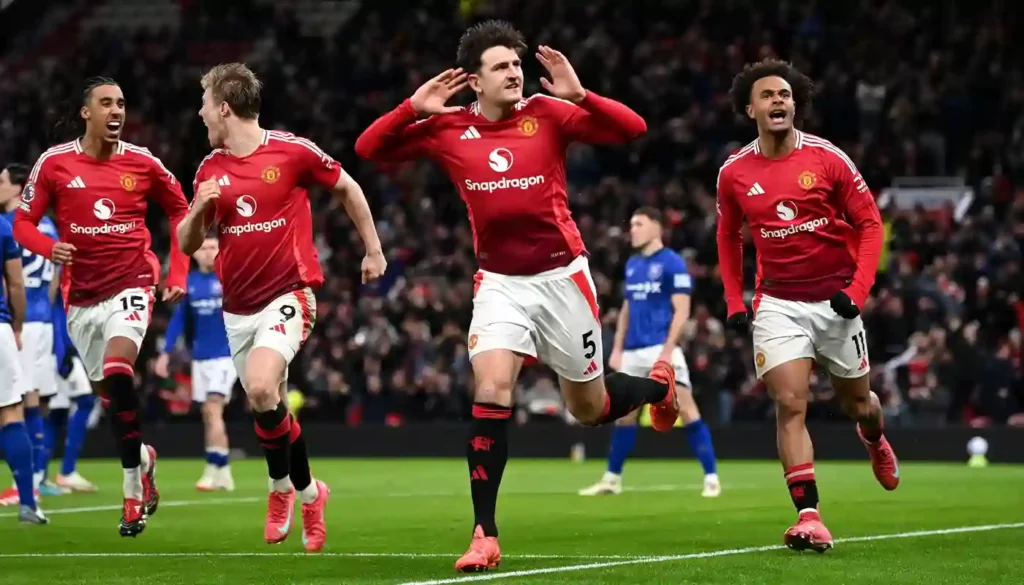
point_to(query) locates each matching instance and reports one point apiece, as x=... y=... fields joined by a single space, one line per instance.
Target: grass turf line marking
x=171 y=504
x=252 y=499
x=704 y=555
x=299 y=554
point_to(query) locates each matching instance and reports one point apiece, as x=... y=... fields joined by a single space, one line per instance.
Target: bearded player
x=818 y=236
x=100 y=188
x=253 y=187
x=534 y=294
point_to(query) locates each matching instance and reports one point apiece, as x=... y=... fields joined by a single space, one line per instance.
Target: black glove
x=737 y=322
x=843 y=305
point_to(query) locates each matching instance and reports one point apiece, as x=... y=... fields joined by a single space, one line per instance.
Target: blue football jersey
x=39 y=273
x=650 y=283
x=203 y=308
x=9 y=250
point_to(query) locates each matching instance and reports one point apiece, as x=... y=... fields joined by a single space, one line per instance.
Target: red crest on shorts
x=528 y=125
x=807 y=179
x=472 y=341
x=128 y=181
x=271 y=175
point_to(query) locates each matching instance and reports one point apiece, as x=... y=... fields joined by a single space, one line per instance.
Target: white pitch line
x=703 y=555
x=171 y=504
x=252 y=499
x=85 y=555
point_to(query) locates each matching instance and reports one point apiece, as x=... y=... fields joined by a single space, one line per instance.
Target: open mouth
x=114 y=126
x=512 y=85
x=777 y=115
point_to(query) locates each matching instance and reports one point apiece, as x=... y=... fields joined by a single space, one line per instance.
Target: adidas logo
x=755 y=190
x=135 y=316
x=279 y=328
x=224 y=181
x=591 y=368
x=76 y=183
x=470 y=134
x=479 y=474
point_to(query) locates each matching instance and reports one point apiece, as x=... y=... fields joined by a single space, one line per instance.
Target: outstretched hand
x=564 y=83
x=432 y=96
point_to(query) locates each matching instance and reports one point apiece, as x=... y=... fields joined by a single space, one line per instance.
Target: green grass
x=404 y=508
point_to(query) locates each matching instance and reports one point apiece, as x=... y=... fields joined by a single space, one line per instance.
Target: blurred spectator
x=932 y=91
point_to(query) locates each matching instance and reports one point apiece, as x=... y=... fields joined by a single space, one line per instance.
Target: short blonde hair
x=236 y=85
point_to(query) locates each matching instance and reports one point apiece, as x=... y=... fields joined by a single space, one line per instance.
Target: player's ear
x=750 y=111
x=474 y=82
x=84 y=113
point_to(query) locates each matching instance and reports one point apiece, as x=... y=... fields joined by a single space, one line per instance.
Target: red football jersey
x=812 y=219
x=264 y=219
x=510 y=173
x=100 y=208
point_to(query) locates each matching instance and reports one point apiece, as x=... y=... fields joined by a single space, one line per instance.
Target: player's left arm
x=325 y=171
x=681 y=286
x=855 y=200
x=587 y=117
x=169 y=195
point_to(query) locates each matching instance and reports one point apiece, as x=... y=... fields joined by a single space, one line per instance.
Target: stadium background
x=926 y=98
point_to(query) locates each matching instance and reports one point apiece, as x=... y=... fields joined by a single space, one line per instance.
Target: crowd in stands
x=905 y=91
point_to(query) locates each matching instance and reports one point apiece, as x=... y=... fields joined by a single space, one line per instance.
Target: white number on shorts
x=133 y=302
x=287 y=312
x=860 y=344
x=588 y=345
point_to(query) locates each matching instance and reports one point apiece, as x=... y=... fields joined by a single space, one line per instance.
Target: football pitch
x=405 y=521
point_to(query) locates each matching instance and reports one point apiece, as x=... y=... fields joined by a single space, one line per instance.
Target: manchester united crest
x=528 y=125
x=807 y=179
x=472 y=341
x=759 y=359
x=128 y=181
x=271 y=175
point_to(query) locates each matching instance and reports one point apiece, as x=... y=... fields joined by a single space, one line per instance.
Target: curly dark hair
x=482 y=36
x=743 y=84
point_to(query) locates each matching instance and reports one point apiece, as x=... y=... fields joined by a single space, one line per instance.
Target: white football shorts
x=38 y=364
x=552 y=316
x=283 y=326
x=213 y=376
x=125 y=314
x=638 y=362
x=789 y=330
x=12 y=382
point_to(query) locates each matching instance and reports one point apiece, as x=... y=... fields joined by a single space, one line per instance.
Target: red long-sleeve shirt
x=100 y=208
x=813 y=220
x=510 y=173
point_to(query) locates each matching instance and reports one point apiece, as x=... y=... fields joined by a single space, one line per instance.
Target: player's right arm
x=730 y=245
x=397 y=136
x=202 y=212
x=621 y=323
x=35 y=200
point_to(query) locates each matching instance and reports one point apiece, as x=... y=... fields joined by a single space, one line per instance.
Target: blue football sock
x=78 y=424
x=18 y=451
x=216 y=457
x=37 y=434
x=700 y=443
x=623 y=439
x=54 y=425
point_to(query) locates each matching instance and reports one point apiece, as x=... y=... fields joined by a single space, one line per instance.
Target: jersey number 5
x=588 y=345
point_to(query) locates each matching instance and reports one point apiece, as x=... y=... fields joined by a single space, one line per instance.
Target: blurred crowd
x=933 y=91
